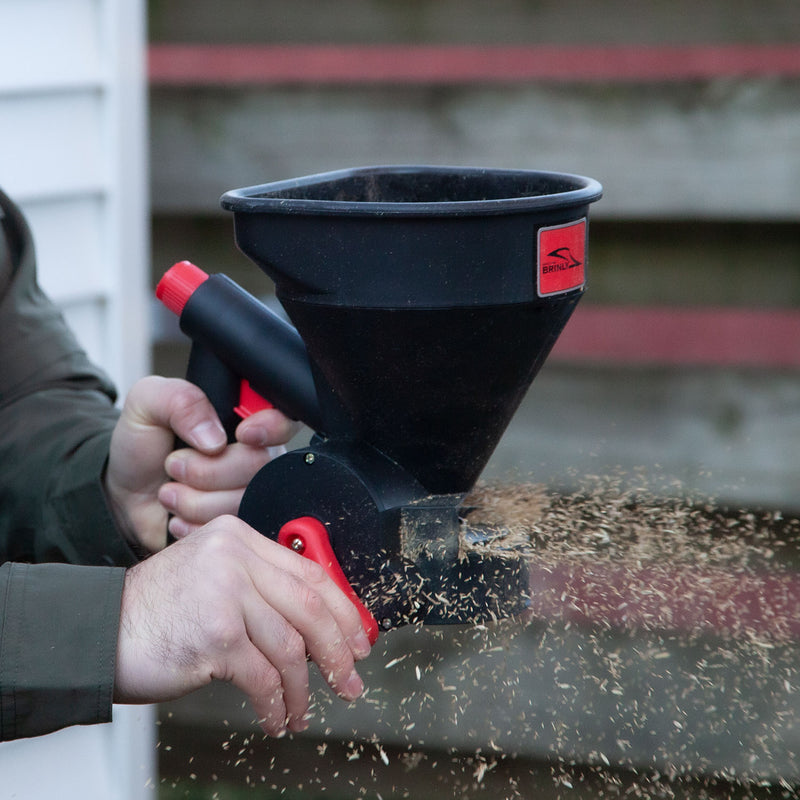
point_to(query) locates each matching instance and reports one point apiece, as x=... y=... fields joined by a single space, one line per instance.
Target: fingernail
x=298 y=725
x=354 y=686
x=254 y=435
x=168 y=497
x=175 y=467
x=178 y=528
x=209 y=435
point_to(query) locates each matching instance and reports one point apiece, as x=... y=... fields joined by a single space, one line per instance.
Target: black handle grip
x=220 y=384
x=255 y=345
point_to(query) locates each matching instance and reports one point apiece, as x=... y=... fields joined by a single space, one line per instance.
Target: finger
x=299 y=602
x=330 y=624
x=305 y=610
x=344 y=613
x=231 y=469
x=267 y=428
x=180 y=528
x=198 y=507
x=269 y=564
x=176 y=405
x=268 y=597
x=284 y=648
x=259 y=678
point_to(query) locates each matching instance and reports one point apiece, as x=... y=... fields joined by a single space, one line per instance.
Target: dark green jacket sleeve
x=58 y=623
x=58 y=646
x=56 y=417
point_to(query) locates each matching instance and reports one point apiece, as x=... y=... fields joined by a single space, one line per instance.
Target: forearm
x=58 y=646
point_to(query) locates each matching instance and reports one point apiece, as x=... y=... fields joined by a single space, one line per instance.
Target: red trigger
x=250 y=401
x=309 y=537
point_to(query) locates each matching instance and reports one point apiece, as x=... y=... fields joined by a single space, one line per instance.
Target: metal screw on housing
x=309 y=459
x=298 y=545
x=386 y=624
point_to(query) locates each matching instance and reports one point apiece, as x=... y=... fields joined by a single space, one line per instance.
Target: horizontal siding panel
x=52 y=145
x=45 y=44
x=70 y=247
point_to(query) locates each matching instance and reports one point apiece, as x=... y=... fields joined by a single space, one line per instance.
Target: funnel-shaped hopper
x=427 y=298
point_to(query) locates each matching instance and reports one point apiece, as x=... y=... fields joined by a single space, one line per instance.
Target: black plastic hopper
x=427 y=299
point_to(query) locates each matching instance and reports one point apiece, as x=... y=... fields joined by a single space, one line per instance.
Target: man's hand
x=227 y=603
x=208 y=478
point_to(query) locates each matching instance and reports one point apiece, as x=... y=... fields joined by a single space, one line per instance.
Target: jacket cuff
x=58 y=643
x=82 y=510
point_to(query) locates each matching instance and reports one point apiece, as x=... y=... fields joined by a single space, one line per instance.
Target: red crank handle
x=309 y=537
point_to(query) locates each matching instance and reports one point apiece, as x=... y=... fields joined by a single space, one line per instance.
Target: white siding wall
x=72 y=124
x=72 y=153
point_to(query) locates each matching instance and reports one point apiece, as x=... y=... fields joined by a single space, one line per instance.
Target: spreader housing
x=425 y=299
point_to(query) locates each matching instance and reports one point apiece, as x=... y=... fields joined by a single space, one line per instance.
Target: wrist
x=119 y=503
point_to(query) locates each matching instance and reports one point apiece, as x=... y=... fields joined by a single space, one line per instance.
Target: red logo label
x=562 y=258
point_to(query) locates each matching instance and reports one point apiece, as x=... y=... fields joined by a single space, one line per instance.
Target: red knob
x=178 y=285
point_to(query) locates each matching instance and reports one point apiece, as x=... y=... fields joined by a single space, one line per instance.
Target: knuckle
x=143 y=388
x=271 y=682
x=312 y=573
x=336 y=656
x=292 y=646
x=221 y=631
x=214 y=542
x=309 y=601
x=186 y=397
x=219 y=549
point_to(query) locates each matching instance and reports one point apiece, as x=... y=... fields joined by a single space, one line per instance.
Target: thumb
x=177 y=405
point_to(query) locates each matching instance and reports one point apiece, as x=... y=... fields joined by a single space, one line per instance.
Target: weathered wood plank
x=718 y=149
x=501 y=21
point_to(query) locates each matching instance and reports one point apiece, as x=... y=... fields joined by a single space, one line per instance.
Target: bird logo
x=565 y=255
